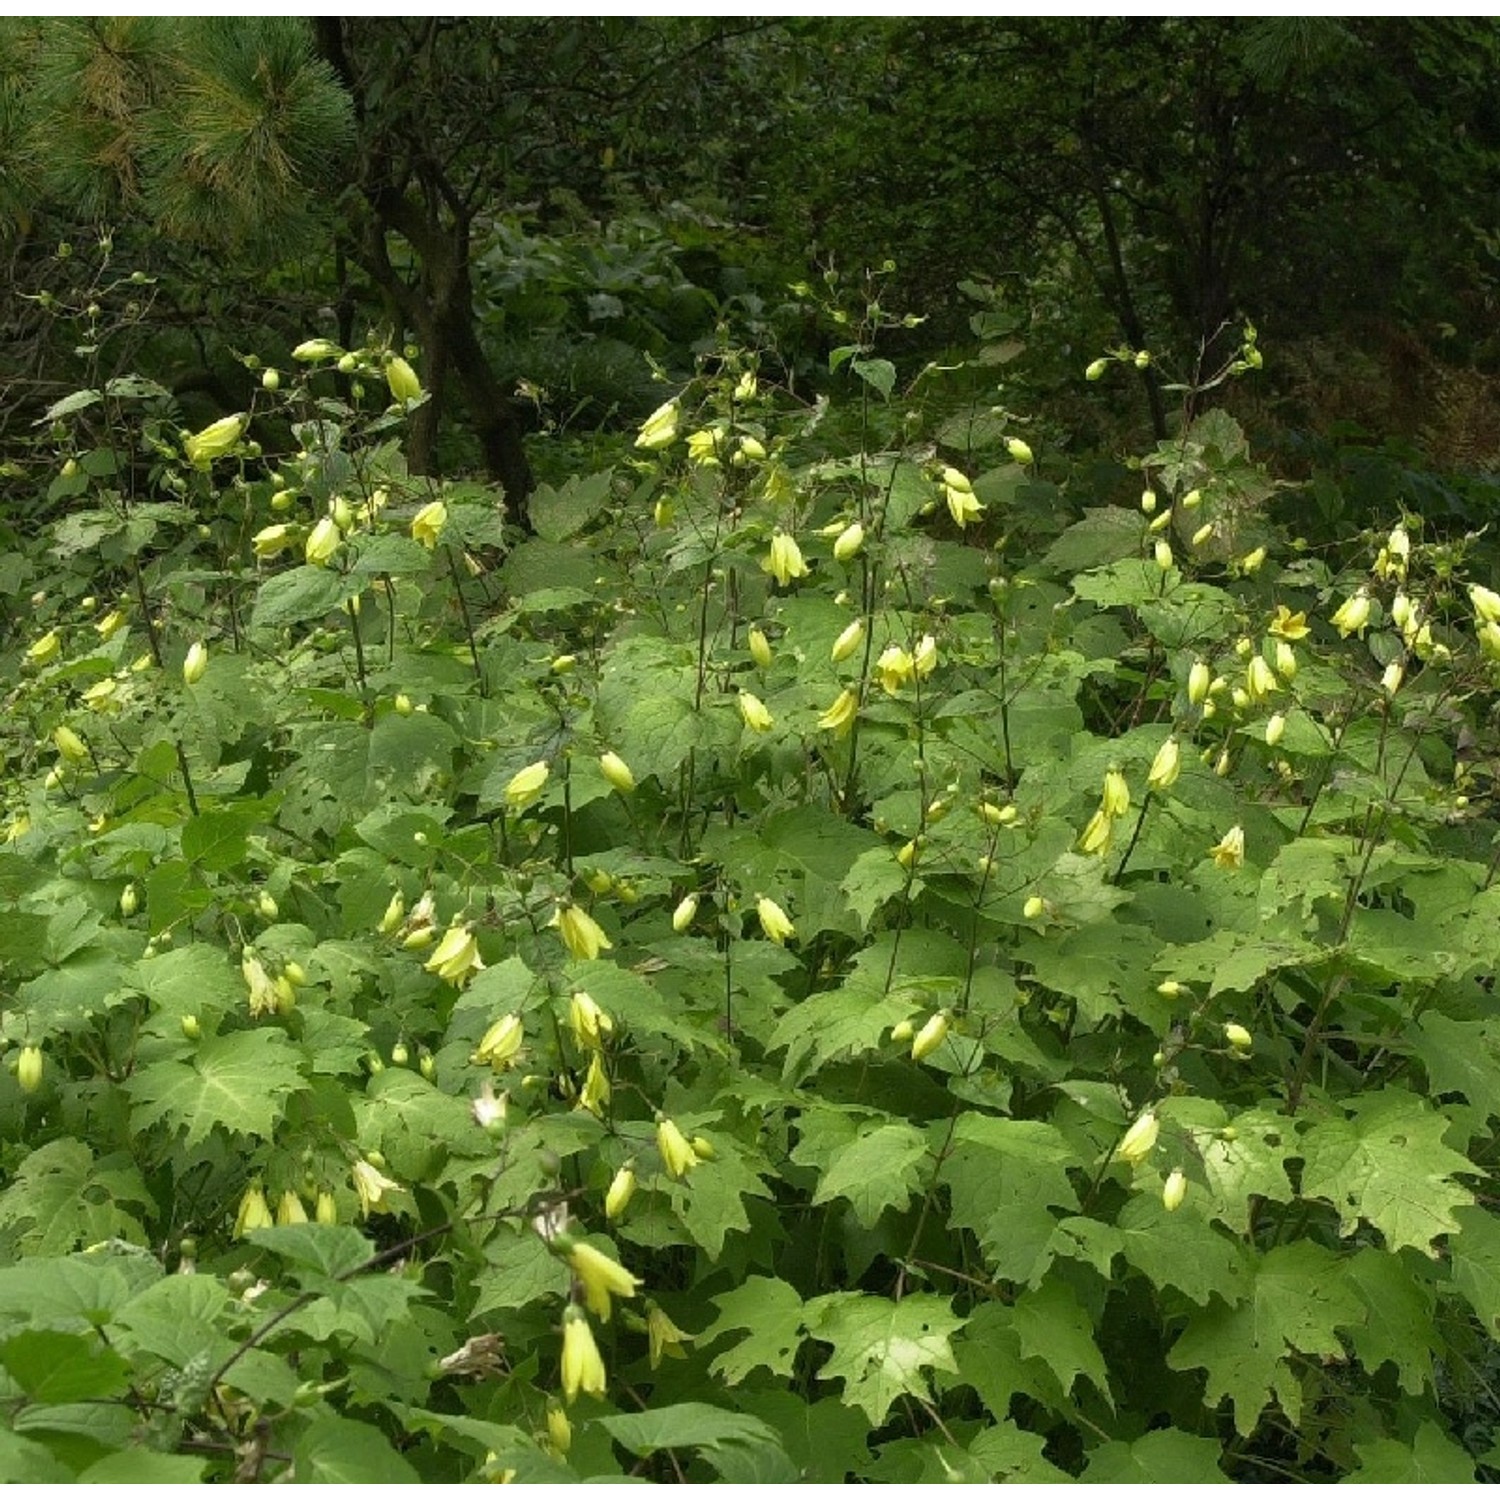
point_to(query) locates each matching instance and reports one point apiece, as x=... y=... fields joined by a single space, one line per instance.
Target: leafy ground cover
x=839 y=955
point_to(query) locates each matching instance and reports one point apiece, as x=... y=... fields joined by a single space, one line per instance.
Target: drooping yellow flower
x=784 y=561
x=774 y=921
x=1486 y=603
x=322 y=542
x=962 y=505
x=1353 y=615
x=659 y=430
x=217 y=439
x=760 y=647
x=1098 y=835
x=1198 y=680
x=267 y=542
x=371 y=1184
x=44 y=649
x=582 y=1366
x=677 y=1155
x=621 y=1191
x=755 y=713
x=595 y=1094
x=1140 y=1140
x=427 y=525
x=1275 y=728
x=456 y=958
x=703 y=447
x=254 y=1212
x=924 y=658
x=1392 y=678
x=1229 y=852
x=1165 y=766
x=526 y=785
x=499 y=1045
x=894 y=668
x=264 y=1001
x=289 y=1209
x=599 y=1275
x=111 y=624
x=848 y=640
x=1260 y=680
x=1286 y=661
x=29 y=1069
x=582 y=936
x=841 y=713
x=663 y=1336
x=1115 y=802
x=590 y=1023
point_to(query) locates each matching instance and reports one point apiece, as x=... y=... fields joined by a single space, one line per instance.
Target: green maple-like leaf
x=1183 y=1250
x=1387 y=1164
x=771 y=1313
x=237 y=1081
x=62 y=1198
x=881 y=1348
x=1053 y=1326
x=878 y=1169
x=1004 y=1178
x=1399 y=1301
x=1461 y=1057
x=1431 y=1458
x=1169 y=1457
x=1297 y=1300
x=1476 y=1264
x=1249 y=1166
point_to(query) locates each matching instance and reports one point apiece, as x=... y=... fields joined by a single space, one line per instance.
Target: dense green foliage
x=869 y=939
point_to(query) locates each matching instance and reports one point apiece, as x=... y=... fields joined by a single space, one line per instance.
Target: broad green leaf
x=218 y=840
x=237 y=1083
x=1386 y=1164
x=1296 y=1303
x=1183 y=1250
x=558 y=514
x=770 y=1312
x=81 y=1291
x=742 y=1448
x=299 y=594
x=27 y=1461
x=51 y=1366
x=826 y=1440
x=62 y=1199
x=881 y=1348
x=1010 y=1455
x=1461 y=1057
x=1249 y=1166
x=1169 y=1457
x=1053 y=1326
x=877 y=1170
x=332 y=1250
x=712 y=1204
x=1432 y=1457
x=1399 y=1300
x=335 y=1450
x=1476 y=1264
x=880 y=373
x=142 y=1466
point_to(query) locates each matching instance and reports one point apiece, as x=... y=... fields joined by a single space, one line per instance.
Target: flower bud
x=1198 y=682
x=687 y=910
x=1140 y=1140
x=402 y=381
x=195 y=664
x=902 y=1032
x=322 y=542
x=760 y=647
x=621 y=1191
x=190 y=1028
x=1163 y=554
x=848 y=641
x=1034 y=908
x=270 y=381
x=930 y=1037
x=1096 y=369
x=1174 y=1190
x=616 y=772
x=848 y=542
x=130 y=901
x=69 y=745
x=1275 y=728
x=265 y=904
x=1237 y=1036
x=1020 y=452
x=29 y=1069
x=315 y=349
